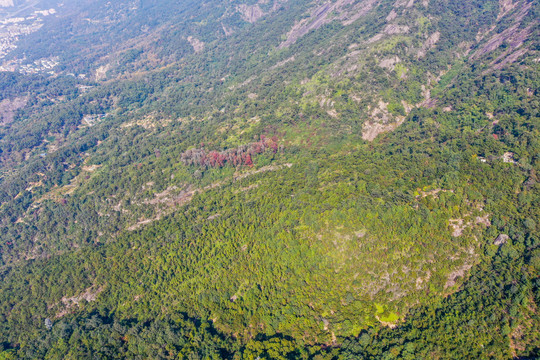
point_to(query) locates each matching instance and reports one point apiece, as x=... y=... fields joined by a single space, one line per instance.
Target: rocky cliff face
x=307 y=168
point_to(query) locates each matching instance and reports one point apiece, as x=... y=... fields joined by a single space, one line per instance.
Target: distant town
x=14 y=26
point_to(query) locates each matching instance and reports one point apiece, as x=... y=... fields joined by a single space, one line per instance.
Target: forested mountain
x=269 y=179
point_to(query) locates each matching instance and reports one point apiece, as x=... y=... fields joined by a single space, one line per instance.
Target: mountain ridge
x=276 y=179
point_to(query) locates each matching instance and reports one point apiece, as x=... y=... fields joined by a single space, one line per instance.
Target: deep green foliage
x=132 y=218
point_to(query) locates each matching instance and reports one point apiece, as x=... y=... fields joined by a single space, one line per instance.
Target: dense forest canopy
x=269 y=179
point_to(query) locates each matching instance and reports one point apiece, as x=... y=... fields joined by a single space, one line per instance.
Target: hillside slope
x=279 y=179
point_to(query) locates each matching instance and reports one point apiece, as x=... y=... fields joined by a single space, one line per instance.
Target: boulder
x=501 y=239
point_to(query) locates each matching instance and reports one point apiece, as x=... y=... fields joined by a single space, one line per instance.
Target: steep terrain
x=273 y=179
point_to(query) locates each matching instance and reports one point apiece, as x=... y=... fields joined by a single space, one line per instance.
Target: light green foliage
x=316 y=247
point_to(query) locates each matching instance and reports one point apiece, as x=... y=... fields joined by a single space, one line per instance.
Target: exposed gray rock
x=501 y=239
x=198 y=45
x=251 y=13
x=390 y=63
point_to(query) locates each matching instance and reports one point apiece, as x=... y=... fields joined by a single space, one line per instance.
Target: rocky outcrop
x=504 y=7
x=318 y=18
x=101 y=72
x=390 y=29
x=391 y=16
x=390 y=63
x=347 y=11
x=380 y=121
x=429 y=43
x=250 y=13
x=513 y=35
x=404 y=3
x=198 y=45
x=9 y=107
x=501 y=239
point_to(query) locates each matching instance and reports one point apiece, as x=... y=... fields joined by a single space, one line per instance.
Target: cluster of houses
x=12 y=29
